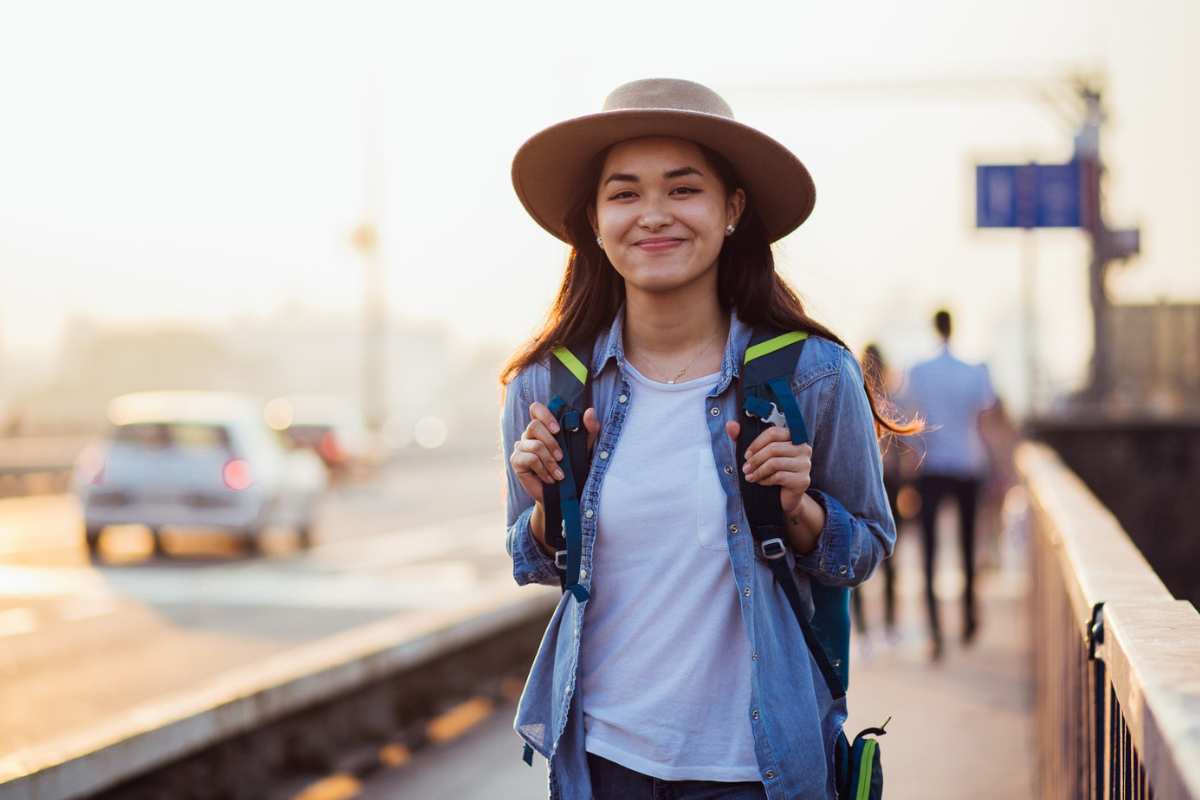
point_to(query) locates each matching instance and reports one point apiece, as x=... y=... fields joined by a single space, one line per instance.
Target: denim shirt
x=794 y=720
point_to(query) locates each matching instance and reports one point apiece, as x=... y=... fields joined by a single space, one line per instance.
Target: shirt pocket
x=709 y=501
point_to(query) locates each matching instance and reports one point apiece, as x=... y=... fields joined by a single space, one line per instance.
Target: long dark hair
x=592 y=291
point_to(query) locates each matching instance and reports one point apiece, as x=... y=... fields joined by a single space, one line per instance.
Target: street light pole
x=366 y=240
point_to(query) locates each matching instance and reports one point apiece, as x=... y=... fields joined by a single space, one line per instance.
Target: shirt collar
x=611 y=346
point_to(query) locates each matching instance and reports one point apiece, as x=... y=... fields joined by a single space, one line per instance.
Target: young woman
x=683 y=673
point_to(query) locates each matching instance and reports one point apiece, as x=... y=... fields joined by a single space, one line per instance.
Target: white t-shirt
x=664 y=671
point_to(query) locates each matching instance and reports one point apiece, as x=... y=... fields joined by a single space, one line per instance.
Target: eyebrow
x=674 y=173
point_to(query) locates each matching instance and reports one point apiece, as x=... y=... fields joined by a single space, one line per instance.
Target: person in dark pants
x=875 y=367
x=950 y=395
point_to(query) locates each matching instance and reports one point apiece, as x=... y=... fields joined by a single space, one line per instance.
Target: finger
x=526 y=464
x=771 y=434
x=541 y=413
x=549 y=464
x=774 y=449
x=733 y=429
x=537 y=431
x=591 y=422
x=781 y=472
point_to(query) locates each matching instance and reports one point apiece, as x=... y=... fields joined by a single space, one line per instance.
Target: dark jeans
x=889 y=572
x=611 y=781
x=965 y=491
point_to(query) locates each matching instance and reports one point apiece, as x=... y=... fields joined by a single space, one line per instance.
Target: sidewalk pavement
x=962 y=727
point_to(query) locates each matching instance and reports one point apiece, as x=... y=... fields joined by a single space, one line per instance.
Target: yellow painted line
x=336 y=787
x=394 y=755
x=459 y=720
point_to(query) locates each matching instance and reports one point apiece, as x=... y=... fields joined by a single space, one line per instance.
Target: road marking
x=394 y=755
x=16 y=621
x=459 y=720
x=336 y=787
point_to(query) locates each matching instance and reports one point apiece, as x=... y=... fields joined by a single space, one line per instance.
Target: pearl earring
x=600 y=241
x=729 y=230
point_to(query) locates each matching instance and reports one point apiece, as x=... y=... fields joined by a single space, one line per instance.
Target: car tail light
x=329 y=447
x=236 y=474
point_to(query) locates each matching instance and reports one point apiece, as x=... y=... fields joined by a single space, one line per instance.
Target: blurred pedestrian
x=876 y=370
x=950 y=395
x=674 y=665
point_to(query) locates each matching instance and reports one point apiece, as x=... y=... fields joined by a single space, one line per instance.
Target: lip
x=659 y=244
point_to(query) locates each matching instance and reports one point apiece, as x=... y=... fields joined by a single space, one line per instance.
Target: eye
x=687 y=189
x=620 y=195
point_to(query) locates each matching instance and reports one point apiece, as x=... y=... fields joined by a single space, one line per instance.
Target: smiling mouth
x=655 y=245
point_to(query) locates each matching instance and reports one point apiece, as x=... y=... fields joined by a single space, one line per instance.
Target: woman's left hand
x=772 y=460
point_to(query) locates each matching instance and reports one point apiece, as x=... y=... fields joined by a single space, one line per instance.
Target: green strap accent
x=771 y=345
x=572 y=363
x=865 y=769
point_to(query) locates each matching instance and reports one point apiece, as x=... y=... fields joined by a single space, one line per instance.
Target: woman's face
x=661 y=210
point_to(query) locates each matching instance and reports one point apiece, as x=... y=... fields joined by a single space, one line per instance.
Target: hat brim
x=549 y=166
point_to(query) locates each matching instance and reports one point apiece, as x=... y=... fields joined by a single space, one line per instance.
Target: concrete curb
x=242 y=700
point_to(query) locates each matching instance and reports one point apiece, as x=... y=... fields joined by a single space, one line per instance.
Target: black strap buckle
x=773 y=549
x=560 y=559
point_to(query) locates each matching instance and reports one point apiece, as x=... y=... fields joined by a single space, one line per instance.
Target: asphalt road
x=82 y=642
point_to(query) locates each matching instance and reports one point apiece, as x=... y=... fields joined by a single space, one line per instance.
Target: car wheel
x=252 y=542
x=304 y=535
x=91 y=535
x=156 y=536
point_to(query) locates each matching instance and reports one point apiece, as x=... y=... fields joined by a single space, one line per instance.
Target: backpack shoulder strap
x=766 y=398
x=570 y=395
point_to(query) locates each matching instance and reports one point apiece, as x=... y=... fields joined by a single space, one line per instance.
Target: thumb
x=733 y=429
x=591 y=421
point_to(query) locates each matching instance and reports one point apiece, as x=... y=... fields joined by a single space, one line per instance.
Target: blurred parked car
x=196 y=460
x=328 y=426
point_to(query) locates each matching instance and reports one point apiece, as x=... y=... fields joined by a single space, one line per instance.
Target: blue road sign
x=1027 y=195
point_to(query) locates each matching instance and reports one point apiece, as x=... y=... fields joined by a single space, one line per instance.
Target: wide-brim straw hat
x=549 y=167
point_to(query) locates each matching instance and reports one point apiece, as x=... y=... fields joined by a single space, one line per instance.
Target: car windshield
x=186 y=436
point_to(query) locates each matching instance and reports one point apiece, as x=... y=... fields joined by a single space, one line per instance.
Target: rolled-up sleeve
x=847 y=479
x=530 y=564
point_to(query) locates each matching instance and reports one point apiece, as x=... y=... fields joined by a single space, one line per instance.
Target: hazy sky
x=163 y=161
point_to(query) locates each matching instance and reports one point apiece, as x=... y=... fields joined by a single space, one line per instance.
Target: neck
x=673 y=324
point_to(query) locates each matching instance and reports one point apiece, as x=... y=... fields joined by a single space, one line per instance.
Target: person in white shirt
x=950 y=395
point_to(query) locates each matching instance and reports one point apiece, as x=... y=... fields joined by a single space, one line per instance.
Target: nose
x=655 y=217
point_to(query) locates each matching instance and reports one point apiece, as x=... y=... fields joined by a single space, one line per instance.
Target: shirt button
x=733 y=528
x=745 y=592
x=589 y=513
x=728 y=469
x=754 y=714
x=603 y=455
x=769 y=774
x=582 y=573
x=754 y=657
x=716 y=412
x=622 y=398
x=842 y=571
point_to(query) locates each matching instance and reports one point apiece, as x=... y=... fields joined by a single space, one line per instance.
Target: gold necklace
x=681 y=372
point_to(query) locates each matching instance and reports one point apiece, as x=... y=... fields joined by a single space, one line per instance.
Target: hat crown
x=672 y=93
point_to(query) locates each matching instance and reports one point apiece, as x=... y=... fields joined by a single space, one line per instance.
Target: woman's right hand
x=536 y=454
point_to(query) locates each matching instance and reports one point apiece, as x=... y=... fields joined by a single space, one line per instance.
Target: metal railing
x=1116 y=657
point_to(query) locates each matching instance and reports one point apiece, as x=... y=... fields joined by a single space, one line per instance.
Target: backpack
x=765 y=395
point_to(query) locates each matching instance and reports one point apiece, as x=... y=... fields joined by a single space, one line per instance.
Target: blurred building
x=293 y=350
x=1156 y=358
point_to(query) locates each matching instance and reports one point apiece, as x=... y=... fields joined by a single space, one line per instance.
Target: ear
x=735 y=206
